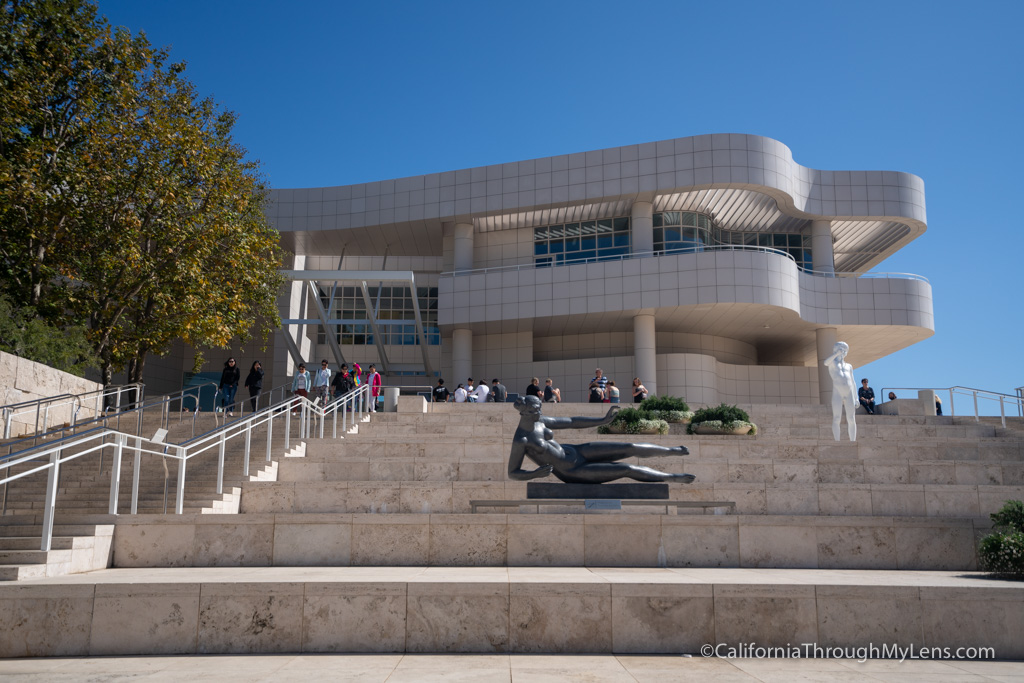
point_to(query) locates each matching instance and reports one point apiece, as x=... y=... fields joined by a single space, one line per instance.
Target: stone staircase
x=84 y=531
x=367 y=544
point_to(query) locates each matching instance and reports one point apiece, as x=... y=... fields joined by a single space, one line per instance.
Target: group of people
x=603 y=390
x=467 y=393
x=229 y=378
x=345 y=380
x=548 y=394
x=866 y=396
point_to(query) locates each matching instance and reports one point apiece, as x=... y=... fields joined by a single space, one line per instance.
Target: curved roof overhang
x=745 y=182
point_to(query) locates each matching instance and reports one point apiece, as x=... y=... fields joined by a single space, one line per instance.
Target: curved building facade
x=712 y=267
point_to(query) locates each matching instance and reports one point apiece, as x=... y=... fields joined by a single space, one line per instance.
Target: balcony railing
x=695 y=250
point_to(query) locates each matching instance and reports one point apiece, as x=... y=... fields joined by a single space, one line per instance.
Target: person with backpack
x=342 y=383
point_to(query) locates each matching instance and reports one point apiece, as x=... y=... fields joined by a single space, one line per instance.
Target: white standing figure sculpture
x=844 y=390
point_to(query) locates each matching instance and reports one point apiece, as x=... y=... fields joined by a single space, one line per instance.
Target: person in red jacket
x=373 y=379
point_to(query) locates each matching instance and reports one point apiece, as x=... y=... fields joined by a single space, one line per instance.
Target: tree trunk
x=137 y=366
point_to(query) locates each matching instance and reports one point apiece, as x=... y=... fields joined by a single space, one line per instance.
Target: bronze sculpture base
x=598 y=491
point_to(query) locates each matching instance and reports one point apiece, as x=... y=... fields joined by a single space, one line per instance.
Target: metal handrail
x=622 y=257
x=76 y=400
x=685 y=250
x=9 y=411
x=98 y=440
x=975 y=394
x=240 y=403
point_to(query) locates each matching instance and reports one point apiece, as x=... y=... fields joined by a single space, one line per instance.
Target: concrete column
x=641 y=220
x=463 y=246
x=462 y=357
x=826 y=338
x=645 y=362
x=821 y=247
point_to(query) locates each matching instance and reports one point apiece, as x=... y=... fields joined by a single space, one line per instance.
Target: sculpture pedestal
x=598 y=491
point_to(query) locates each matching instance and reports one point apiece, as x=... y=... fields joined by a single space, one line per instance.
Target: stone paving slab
x=394 y=668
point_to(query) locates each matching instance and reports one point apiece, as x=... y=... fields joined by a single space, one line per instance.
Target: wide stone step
x=642 y=539
x=30 y=543
x=34 y=556
x=499 y=610
x=727 y=447
x=817 y=432
x=346 y=467
x=904 y=500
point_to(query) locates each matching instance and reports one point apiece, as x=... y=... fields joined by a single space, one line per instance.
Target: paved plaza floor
x=509 y=668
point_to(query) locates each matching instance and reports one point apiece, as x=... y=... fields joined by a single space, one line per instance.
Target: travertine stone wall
x=25 y=380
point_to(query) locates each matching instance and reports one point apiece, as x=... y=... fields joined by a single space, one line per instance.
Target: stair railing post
x=248 y=441
x=334 y=424
x=1002 y=411
x=976 y=418
x=51 y=500
x=115 y=473
x=220 y=463
x=270 y=429
x=179 y=503
x=287 y=428
x=137 y=465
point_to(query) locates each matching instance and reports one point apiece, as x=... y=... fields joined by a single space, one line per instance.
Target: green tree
x=26 y=335
x=125 y=204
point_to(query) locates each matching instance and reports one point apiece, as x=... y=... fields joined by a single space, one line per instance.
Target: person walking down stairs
x=229 y=385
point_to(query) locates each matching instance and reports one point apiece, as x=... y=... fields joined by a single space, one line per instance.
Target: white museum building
x=713 y=267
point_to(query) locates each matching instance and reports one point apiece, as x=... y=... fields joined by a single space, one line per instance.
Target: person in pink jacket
x=373 y=379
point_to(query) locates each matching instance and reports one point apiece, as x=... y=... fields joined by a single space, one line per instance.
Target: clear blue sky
x=332 y=93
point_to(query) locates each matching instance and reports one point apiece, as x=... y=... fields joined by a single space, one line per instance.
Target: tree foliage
x=26 y=335
x=125 y=204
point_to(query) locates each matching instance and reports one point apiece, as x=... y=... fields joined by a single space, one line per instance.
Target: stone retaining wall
x=25 y=380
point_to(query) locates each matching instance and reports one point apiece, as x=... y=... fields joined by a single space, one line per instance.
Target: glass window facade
x=687 y=231
x=395 y=315
x=600 y=240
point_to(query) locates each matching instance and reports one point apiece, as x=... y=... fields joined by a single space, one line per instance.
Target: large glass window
x=686 y=231
x=598 y=240
x=395 y=315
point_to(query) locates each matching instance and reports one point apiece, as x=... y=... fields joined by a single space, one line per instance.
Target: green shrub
x=672 y=415
x=26 y=335
x=723 y=413
x=635 y=421
x=659 y=403
x=723 y=416
x=1002 y=551
x=1010 y=517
